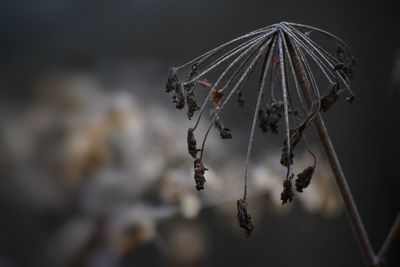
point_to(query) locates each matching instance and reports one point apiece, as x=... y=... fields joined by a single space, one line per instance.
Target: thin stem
x=285 y=104
x=253 y=126
x=215 y=50
x=352 y=211
x=205 y=138
x=218 y=109
x=223 y=75
x=391 y=237
x=344 y=189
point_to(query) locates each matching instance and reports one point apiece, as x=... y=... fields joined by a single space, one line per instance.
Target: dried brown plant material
x=217 y=95
x=225 y=133
x=178 y=99
x=288 y=88
x=199 y=171
x=191 y=142
x=244 y=218
x=304 y=178
x=287 y=193
x=328 y=100
x=172 y=81
x=191 y=103
x=270 y=117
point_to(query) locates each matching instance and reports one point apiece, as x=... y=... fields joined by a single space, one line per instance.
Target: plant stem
x=370 y=258
x=391 y=237
x=352 y=211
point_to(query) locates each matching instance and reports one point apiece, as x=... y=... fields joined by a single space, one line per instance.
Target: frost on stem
x=289 y=60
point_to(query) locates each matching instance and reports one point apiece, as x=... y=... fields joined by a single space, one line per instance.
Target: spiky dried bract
x=199 y=171
x=244 y=218
x=287 y=193
x=288 y=62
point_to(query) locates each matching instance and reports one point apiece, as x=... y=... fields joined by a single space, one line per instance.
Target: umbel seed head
x=297 y=79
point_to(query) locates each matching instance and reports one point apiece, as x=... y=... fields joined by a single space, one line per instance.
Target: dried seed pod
x=287 y=193
x=328 y=100
x=244 y=218
x=199 y=171
x=225 y=133
x=217 y=95
x=340 y=56
x=200 y=181
x=193 y=70
x=178 y=99
x=304 y=178
x=191 y=142
x=270 y=118
x=263 y=120
x=275 y=114
x=191 y=103
x=172 y=81
x=348 y=68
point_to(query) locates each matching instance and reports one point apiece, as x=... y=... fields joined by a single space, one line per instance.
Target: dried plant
x=297 y=80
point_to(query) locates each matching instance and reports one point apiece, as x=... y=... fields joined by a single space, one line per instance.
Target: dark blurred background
x=78 y=75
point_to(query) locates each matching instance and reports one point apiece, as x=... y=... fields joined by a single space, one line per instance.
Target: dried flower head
x=199 y=171
x=304 y=178
x=287 y=193
x=244 y=218
x=287 y=58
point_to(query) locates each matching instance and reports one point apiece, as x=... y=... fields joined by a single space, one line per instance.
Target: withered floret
x=304 y=178
x=328 y=100
x=178 y=99
x=191 y=142
x=172 y=81
x=192 y=104
x=287 y=193
x=217 y=95
x=244 y=218
x=199 y=171
x=270 y=117
x=225 y=133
